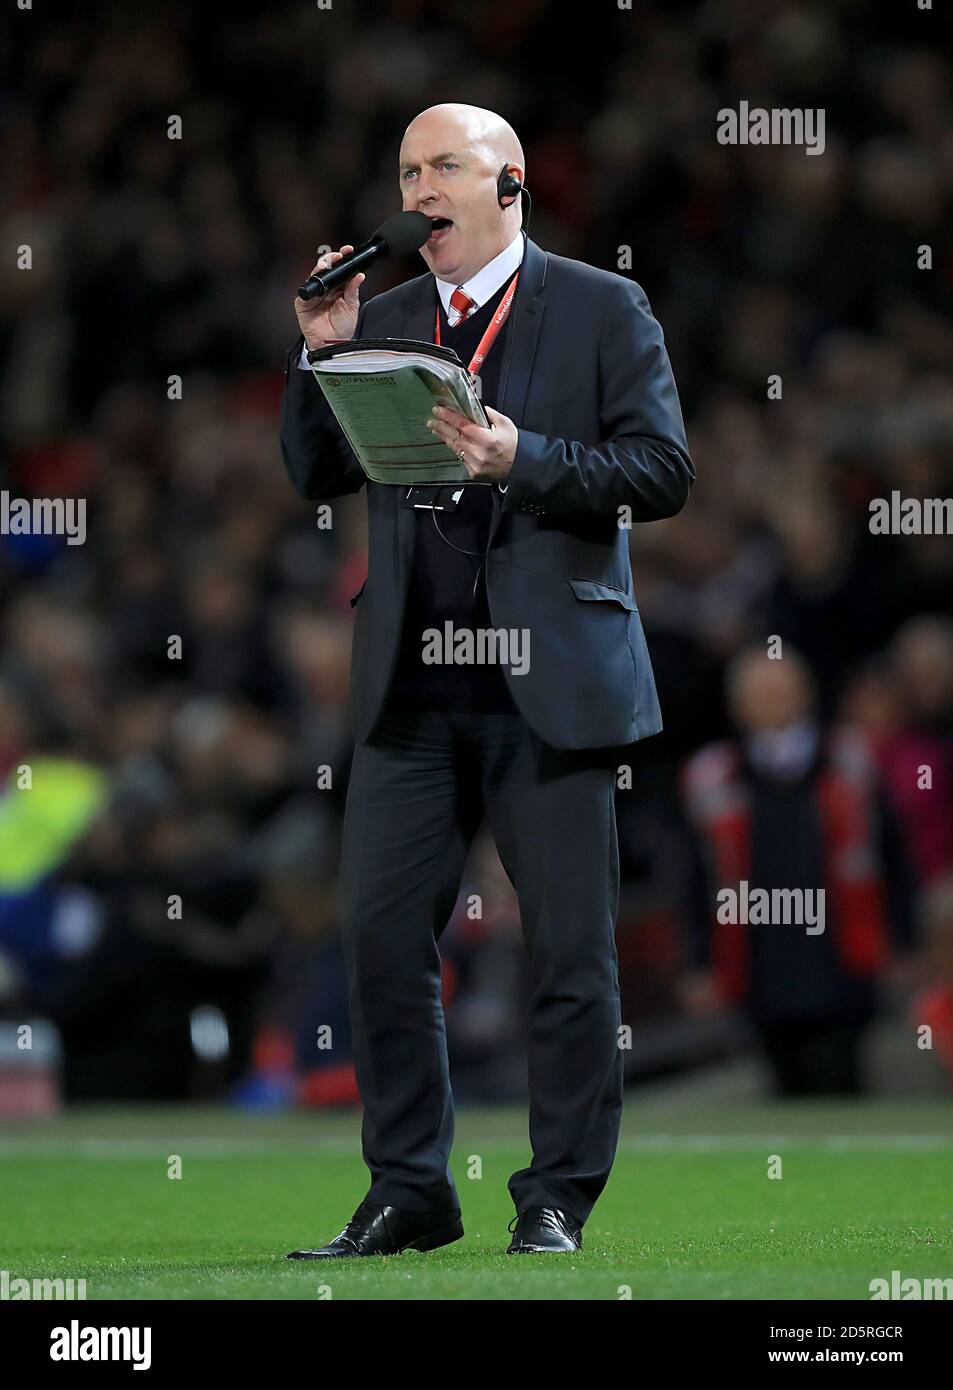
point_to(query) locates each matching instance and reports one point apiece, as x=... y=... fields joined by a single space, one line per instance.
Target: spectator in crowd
x=791 y=805
x=932 y=1006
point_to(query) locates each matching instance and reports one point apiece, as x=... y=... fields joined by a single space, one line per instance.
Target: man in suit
x=586 y=436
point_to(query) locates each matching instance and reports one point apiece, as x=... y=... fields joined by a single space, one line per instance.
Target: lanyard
x=489 y=337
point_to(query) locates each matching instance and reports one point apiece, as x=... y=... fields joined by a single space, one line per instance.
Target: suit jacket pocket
x=592 y=589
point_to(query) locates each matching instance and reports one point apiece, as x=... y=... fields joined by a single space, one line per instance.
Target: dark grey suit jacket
x=588 y=383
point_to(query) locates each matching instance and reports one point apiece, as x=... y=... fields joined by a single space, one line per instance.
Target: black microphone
x=398 y=236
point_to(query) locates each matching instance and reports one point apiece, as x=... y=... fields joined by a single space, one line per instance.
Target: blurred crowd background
x=168 y=883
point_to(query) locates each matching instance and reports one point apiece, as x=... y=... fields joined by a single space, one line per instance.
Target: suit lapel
x=419 y=314
x=527 y=316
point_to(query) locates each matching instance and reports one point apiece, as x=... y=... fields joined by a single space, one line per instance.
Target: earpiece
x=507 y=185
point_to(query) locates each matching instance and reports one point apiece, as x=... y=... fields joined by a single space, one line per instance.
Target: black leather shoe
x=544 y=1228
x=377 y=1230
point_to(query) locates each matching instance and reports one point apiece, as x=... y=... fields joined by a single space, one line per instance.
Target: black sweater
x=442 y=580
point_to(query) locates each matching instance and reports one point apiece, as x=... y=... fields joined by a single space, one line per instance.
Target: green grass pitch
x=689 y=1212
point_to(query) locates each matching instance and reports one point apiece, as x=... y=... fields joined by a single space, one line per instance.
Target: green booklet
x=382 y=392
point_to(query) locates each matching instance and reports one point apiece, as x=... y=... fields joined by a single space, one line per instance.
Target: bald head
x=766 y=693
x=450 y=159
x=474 y=127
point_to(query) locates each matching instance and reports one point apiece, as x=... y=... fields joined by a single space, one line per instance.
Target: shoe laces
x=545 y=1216
x=356 y=1222
x=549 y=1216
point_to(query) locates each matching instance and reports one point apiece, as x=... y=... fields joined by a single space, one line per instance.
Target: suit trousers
x=419 y=789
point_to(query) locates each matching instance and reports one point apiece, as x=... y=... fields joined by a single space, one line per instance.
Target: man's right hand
x=334 y=316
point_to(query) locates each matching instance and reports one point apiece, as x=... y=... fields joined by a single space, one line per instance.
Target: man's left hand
x=487 y=454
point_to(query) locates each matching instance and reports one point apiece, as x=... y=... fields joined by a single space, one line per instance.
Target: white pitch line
x=104 y=1150
x=746 y=1143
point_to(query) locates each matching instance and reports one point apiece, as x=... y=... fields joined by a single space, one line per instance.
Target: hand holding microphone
x=328 y=304
x=334 y=315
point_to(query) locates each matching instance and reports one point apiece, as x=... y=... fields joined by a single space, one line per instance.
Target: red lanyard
x=489 y=337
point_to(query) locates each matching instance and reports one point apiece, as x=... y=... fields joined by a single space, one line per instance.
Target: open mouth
x=439 y=226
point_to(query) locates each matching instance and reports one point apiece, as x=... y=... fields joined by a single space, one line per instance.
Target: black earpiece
x=507 y=185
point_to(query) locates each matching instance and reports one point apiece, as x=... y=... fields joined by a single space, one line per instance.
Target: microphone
x=398 y=236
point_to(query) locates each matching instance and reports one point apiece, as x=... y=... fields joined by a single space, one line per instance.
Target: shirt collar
x=482 y=286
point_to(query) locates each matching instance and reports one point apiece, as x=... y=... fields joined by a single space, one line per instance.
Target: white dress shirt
x=481 y=288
